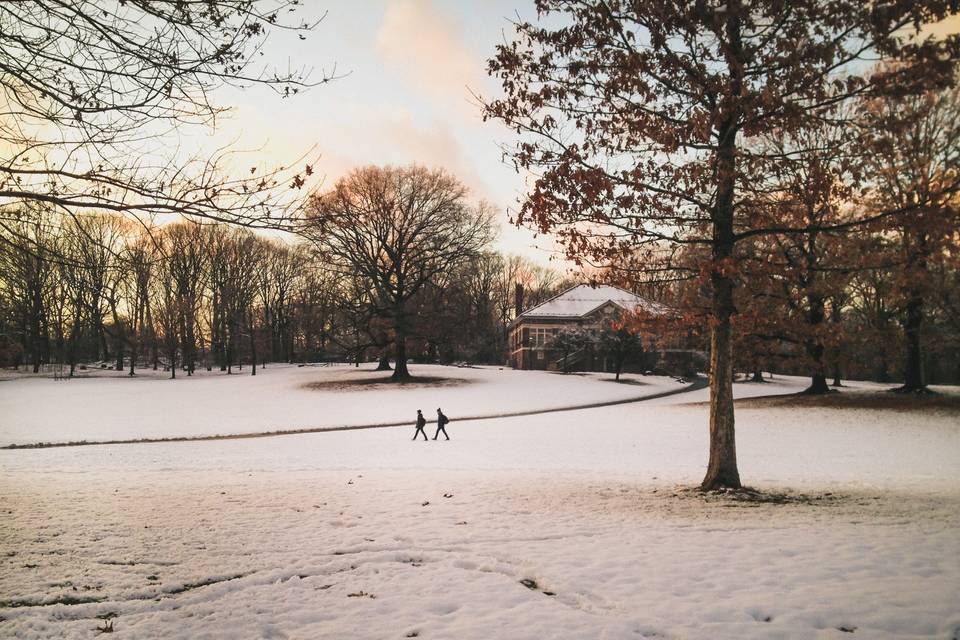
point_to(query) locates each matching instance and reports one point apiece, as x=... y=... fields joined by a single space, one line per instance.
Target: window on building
x=540 y=337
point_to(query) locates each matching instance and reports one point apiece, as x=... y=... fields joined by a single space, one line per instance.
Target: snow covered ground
x=576 y=524
x=280 y=398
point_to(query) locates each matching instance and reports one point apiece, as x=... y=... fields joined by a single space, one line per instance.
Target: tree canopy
x=642 y=121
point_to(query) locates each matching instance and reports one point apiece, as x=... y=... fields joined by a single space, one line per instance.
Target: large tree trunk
x=837 y=351
x=815 y=350
x=815 y=317
x=722 y=467
x=136 y=329
x=400 y=327
x=883 y=369
x=120 y=342
x=230 y=343
x=913 y=374
x=72 y=343
x=102 y=337
x=914 y=379
x=253 y=346
x=35 y=327
x=400 y=371
x=358 y=356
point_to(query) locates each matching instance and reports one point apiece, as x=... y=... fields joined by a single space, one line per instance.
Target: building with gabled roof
x=584 y=307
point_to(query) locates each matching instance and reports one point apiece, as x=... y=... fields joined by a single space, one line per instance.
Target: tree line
x=102 y=288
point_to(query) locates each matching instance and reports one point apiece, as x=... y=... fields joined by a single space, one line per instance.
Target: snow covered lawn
x=280 y=397
x=563 y=525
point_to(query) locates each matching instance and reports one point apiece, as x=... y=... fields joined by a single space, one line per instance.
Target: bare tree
x=90 y=89
x=26 y=262
x=140 y=256
x=188 y=264
x=399 y=228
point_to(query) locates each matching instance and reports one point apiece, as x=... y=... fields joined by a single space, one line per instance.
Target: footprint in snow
x=533 y=586
x=759 y=616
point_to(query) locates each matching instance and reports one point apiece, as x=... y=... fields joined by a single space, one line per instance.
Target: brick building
x=582 y=307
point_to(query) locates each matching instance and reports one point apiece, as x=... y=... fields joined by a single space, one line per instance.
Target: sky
x=408 y=71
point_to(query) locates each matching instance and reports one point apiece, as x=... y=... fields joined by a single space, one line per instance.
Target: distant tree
x=140 y=255
x=458 y=319
x=946 y=299
x=915 y=154
x=620 y=341
x=568 y=342
x=400 y=228
x=189 y=265
x=235 y=257
x=277 y=280
x=96 y=243
x=28 y=268
x=166 y=303
x=641 y=120
x=812 y=191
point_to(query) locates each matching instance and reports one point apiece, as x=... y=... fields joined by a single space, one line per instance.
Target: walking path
x=698 y=383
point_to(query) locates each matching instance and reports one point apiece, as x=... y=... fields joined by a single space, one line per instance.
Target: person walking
x=442 y=420
x=421 y=423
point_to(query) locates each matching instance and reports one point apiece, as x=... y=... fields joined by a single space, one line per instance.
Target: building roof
x=583 y=299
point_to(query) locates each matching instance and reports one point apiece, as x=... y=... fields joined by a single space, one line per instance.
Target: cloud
x=425 y=45
x=390 y=134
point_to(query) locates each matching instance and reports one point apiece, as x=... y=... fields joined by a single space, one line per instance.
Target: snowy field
x=575 y=524
x=111 y=406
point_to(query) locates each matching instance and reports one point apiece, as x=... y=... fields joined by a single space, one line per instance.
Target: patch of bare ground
x=749 y=496
x=385 y=382
x=760 y=506
x=875 y=400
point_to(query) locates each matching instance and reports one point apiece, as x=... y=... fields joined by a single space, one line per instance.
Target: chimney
x=518 y=299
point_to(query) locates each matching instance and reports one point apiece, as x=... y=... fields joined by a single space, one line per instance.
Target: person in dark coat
x=442 y=420
x=421 y=423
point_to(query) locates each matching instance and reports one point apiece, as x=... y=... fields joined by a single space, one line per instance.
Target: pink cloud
x=425 y=45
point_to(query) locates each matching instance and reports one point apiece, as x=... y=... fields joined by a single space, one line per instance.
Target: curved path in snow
x=699 y=383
